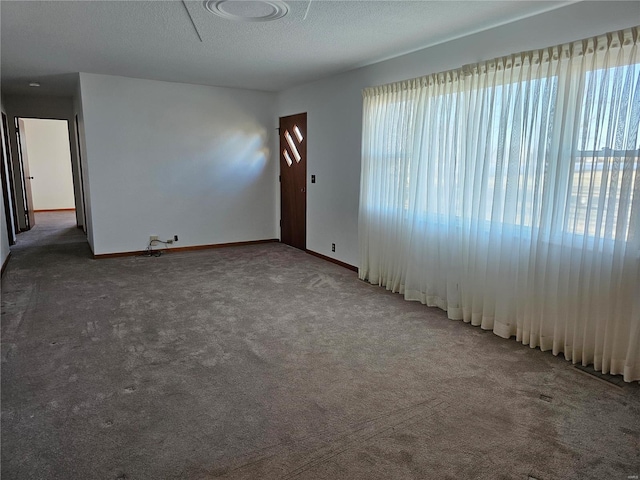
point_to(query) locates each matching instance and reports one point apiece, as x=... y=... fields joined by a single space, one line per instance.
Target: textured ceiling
x=49 y=41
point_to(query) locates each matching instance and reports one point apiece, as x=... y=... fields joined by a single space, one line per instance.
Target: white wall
x=49 y=154
x=334 y=108
x=166 y=158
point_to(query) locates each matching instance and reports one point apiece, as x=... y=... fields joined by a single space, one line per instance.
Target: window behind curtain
x=507 y=193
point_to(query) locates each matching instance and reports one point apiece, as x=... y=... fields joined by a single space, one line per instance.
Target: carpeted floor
x=264 y=362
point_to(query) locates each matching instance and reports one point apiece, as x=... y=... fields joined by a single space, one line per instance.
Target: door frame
x=80 y=171
x=7 y=183
x=27 y=197
x=76 y=170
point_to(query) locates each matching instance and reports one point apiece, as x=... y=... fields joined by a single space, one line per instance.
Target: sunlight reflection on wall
x=239 y=159
x=226 y=162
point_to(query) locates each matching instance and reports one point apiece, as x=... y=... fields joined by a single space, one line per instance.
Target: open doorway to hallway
x=49 y=196
x=46 y=156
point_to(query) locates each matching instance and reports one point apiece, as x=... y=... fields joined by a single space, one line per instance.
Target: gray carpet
x=264 y=362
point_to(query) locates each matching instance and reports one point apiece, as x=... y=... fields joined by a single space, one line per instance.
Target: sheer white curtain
x=508 y=194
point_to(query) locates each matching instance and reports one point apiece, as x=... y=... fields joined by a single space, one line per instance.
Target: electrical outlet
x=175 y=238
x=313 y=179
x=153 y=237
x=333 y=247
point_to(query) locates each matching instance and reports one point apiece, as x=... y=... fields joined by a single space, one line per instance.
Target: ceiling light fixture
x=248 y=10
x=34 y=84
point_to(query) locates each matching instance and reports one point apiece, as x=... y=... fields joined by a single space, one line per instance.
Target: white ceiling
x=51 y=40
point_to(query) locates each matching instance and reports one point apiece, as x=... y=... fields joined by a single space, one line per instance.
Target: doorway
x=46 y=162
x=293 y=180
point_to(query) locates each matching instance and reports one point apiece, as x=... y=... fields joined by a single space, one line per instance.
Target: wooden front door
x=293 y=180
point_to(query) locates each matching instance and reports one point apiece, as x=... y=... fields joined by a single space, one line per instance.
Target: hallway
x=51 y=228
